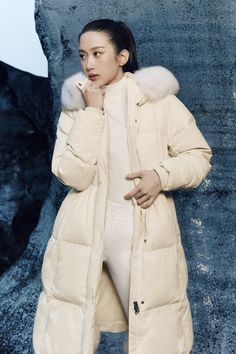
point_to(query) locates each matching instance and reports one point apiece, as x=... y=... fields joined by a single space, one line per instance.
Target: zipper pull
x=136 y=307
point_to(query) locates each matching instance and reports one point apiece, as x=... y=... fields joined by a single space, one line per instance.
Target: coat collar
x=153 y=83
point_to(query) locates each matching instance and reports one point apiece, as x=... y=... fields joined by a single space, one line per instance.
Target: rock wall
x=195 y=40
x=25 y=133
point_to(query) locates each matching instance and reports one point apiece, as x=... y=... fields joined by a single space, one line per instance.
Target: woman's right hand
x=93 y=95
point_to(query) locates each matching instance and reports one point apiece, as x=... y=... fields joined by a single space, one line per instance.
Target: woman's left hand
x=148 y=188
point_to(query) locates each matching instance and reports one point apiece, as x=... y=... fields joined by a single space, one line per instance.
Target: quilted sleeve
x=77 y=141
x=189 y=153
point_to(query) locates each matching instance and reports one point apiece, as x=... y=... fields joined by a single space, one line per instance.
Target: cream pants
x=117 y=248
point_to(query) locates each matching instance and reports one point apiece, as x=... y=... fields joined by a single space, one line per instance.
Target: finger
x=132 y=193
x=95 y=85
x=146 y=204
x=139 y=195
x=142 y=200
x=88 y=83
x=134 y=175
x=96 y=88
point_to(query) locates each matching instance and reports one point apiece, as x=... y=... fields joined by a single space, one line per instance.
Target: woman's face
x=99 y=59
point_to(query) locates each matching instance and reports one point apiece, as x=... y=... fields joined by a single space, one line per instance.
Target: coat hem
x=114 y=327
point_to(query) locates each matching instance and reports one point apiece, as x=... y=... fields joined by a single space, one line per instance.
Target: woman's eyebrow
x=81 y=50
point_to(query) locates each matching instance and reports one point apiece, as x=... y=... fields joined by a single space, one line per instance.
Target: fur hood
x=155 y=82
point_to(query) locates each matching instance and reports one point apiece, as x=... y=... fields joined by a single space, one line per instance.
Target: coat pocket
x=64 y=270
x=70 y=275
x=159 y=227
x=160 y=278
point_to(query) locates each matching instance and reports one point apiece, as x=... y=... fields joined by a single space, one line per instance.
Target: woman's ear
x=123 y=57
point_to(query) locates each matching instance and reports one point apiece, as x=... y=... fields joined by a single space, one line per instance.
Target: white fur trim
x=155 y=82
x=71 y=96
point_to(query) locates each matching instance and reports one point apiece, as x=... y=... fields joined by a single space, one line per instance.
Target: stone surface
x=25 y=132
x=195 y=40
x=20 y=288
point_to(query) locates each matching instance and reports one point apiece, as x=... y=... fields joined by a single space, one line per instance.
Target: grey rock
x=25 y=134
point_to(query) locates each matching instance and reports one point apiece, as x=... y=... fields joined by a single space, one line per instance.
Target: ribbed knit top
x=115 y=106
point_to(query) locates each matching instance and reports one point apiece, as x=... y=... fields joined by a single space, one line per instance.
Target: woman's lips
x=93 y=77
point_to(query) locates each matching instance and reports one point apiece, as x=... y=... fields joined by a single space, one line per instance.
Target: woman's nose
x=90 y=63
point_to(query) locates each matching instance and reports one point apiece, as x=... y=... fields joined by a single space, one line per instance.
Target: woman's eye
x=82 y=56
x=97 y=53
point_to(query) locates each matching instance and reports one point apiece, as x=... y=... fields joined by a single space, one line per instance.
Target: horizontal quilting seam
x=55 y=297
x=163 y=305
x=161 y=248
x=74 y=243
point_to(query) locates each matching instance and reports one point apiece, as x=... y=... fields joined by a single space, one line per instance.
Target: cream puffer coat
x=78 y=292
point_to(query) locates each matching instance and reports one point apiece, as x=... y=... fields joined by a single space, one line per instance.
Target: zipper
x=136 y=307
x=107 y=164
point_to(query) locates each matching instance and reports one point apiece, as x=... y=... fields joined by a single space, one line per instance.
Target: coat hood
x=154 y=82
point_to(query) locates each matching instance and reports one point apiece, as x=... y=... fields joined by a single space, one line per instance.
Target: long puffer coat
x=78 y=292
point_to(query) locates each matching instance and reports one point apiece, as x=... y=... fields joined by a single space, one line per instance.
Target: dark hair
x=121 y=37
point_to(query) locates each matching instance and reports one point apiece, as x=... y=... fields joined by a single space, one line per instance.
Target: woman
x=115 y=261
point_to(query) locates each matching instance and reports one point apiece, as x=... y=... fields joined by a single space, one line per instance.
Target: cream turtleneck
x=115 y=106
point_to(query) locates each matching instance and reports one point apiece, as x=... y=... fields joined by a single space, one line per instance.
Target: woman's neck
x=118 y=85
